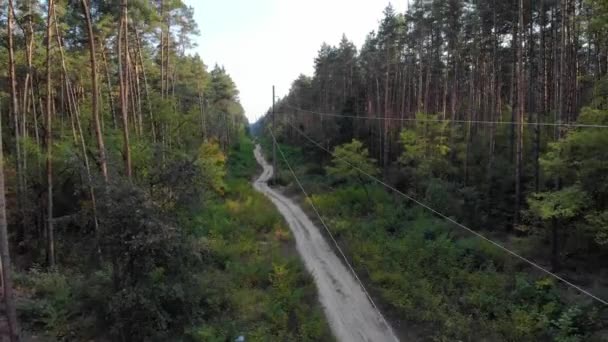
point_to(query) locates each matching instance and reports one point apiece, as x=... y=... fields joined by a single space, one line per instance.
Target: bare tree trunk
x=520 y=113
x=495 y=107
x=140 y=119
x=543 y=97
x=49 y=139
x=378 y=114
x=75 y=110
x=5 y=259
x=109 y=84
x=123 y=63
x=444 y=105
x=16 y=114
x=513 y=90
x=13 y=84
x=133 y=93
x=28 y=84
x=387 y=114
x=420 y=83
x=146 y=88
x=470 y=114
x=203 y=120
x=427 y=89
x=167 y=53
x=95 y=92
x=162 y=50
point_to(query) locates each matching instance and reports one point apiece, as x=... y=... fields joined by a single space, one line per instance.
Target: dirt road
x=349 y=312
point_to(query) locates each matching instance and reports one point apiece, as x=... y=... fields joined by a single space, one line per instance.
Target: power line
x=352 y=270
x=445 y=217
x=485 y=122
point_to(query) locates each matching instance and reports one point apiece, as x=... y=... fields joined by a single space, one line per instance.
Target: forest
x=488 y=114
x=125 y=200
x=458 y=161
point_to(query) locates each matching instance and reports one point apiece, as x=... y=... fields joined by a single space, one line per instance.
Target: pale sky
x=266 y=42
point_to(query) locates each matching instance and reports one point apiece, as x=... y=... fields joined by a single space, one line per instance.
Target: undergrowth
x=228 y=270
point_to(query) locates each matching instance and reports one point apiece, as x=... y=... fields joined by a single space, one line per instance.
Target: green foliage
x=568 y=327
x=154 y=291
x=211 y=161
x=580 y=162
x=49 y=304
x=425 y=148
x=440 y=195
x=225 y=268
x=130 y=265
x=241 y=163
x=450 y=288
x=562 y=204
x=259 y=291
x=351 y=162
x=142 y=158
x=598 y=225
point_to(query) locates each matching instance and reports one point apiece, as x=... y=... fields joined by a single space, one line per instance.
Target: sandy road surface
x=349 y=312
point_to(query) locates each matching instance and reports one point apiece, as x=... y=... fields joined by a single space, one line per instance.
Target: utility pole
x=274 y=143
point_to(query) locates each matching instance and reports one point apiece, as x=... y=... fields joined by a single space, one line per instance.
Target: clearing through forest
x=348 y=310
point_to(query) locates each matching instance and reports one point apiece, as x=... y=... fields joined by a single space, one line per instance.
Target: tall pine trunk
x=146 y=88
x=520 y=114
x=95 y=92
x=385 y=154
x=5 y=259
x=15 y=115
x=49 y=139
x=123 y=65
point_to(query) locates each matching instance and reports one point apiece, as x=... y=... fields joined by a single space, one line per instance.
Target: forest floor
x=351 y=315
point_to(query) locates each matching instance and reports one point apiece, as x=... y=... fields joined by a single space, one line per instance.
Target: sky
x=262 y=43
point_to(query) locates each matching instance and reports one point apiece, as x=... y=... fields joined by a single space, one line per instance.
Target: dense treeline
x=107 y=84
x=478 y=99
x=491 y=112
x=116 y=142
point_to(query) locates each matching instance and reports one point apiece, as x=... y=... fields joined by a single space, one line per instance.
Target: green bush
x=454 y=288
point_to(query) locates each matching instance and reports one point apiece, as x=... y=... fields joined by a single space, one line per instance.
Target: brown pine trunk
x=387 y=114
x=13 y=81
x=513 y=90
x=203 y=121
x=444 y=104
x=7 y=283
x=167 y=54
x=378 y=114
x=28 y=101
x=542 y=97
x=7 y=277
x=15 y=115
x=133 y=93
x=109 y=85
x=162 y=51
x=95 y=92
x=470 y=115
x=420 y=83
x=140 y=119
x=75 y=111
x=427 y=89
x=520 y=114
x=123 y=65
x=49 y=139
x=496 y=105
x=146 y=88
